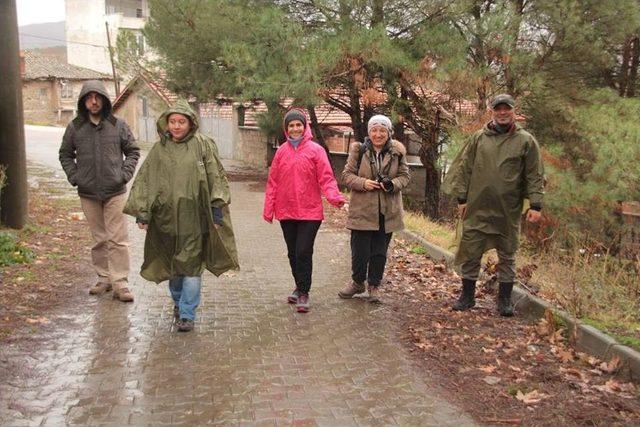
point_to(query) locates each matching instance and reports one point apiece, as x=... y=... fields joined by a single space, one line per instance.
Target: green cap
x=503 y=98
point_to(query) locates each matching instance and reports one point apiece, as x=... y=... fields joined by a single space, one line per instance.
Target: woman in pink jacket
x=299 y=174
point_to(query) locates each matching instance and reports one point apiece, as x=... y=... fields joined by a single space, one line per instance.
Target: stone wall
x=251 y=146
x=38 y=103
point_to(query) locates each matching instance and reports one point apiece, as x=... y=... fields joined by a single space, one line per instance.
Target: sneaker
x=302 y=306
x=293 y=298
x=123 y=294
x=185 y=325
x=100 y=288
x=176 y=313
x=374 y=295
x=351 y=289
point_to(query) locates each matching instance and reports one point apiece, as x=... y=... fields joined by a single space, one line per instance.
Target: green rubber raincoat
x=174 y=192
x=494 y=173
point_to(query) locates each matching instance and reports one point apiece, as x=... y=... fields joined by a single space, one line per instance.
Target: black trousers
x=369 y=254
x=300 y=236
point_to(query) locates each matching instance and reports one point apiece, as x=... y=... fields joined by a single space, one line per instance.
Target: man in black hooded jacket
x=99 y=156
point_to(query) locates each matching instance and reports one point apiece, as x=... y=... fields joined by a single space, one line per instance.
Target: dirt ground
x=503 y=371
x=60 y=242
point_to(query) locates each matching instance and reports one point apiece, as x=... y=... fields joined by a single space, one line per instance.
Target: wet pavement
x=251 y=360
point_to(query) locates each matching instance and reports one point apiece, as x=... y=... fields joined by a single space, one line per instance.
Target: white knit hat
x=380 y=120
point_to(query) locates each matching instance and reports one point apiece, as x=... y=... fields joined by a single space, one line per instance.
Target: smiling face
x=178 y=125
x=378 y=136
x=295 y=129
x=503 y=114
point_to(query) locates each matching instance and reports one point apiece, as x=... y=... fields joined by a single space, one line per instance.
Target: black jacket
x=99 y=159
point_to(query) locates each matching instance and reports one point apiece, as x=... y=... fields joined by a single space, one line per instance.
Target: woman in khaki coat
x=376 y=172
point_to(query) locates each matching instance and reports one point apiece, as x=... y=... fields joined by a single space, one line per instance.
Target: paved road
x=251 y=360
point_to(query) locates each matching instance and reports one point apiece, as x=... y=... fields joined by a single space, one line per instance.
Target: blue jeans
x=185 y=291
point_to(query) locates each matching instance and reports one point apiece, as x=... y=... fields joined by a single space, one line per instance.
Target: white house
x=86 y=32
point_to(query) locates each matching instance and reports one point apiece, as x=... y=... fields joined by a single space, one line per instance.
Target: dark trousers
x=300 y=236
x=369 y=252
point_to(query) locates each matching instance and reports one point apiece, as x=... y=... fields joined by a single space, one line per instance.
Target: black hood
x=94 y=86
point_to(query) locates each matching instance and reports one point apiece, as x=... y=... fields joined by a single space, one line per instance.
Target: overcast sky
x=37 y=11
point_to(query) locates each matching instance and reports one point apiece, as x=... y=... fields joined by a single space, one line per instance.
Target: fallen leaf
x=610 y=367
x=491 y=380
x=530 y=398
x=489 y=369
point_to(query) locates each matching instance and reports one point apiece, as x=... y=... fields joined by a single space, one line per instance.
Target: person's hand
x=340 y=203
x=217 y=226
x=370 y=184
x=533 y=216
x=462 y=208
x=142 y=226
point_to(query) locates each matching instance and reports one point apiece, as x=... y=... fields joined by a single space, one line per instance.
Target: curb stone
x=586 y=337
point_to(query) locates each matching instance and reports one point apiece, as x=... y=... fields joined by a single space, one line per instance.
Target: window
x=66 y=91
x=43 y=92
x=139 y=13
x=110 y=9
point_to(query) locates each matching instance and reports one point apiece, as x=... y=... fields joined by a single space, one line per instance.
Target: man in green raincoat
x=498 y=168
x=181 y=197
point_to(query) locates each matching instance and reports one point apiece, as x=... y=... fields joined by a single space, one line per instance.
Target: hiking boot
x=351 y=289
x=504 y=299
x=185 y=325
x=100 y=288
x=123 y=294
x=374 y=294
x=467 y=297
x=293 y=298
x=302 y=306
x=176 y=313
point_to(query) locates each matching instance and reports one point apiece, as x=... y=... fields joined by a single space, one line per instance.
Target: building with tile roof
x=50 y=88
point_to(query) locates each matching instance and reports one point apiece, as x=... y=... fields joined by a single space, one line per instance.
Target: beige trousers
x=110 y=252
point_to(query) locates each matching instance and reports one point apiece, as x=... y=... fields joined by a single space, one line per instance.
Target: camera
x=385 y=182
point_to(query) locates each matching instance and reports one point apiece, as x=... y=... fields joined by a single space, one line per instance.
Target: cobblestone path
x=251 y=360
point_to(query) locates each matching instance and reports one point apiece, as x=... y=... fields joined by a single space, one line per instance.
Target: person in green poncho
x=181 y=197
x=498 y=168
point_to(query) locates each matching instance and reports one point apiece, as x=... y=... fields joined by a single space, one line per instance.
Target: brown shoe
x=100 y=288
x=123 y=294
x=351 y=289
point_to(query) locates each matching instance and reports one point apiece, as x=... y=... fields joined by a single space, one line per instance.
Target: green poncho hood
x=174 y=192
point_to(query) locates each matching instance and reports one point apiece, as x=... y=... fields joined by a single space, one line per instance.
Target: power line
x=61 y=40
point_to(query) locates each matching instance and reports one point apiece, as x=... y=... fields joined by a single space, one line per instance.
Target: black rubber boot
x=504 y=299
x=467 y=297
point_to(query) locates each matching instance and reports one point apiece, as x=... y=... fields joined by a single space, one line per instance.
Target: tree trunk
x=13 y=202
x=633 y=67
x=624 y=68
x=317 y=131
x=428 y=157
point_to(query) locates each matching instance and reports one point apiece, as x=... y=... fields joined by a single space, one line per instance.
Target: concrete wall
x=86 y=33
x=250 y=146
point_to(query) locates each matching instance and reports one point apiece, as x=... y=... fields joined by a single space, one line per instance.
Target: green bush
x=11 y=251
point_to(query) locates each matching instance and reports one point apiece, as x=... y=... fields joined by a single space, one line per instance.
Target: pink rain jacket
x=297 y=178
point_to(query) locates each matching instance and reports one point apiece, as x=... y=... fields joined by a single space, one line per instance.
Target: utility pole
x=116 y=83
x=13 y=203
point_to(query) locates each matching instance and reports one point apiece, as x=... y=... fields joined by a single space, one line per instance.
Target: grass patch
x=599 y=289
x=418 y=250
x=438 y=234
x=11 y=251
